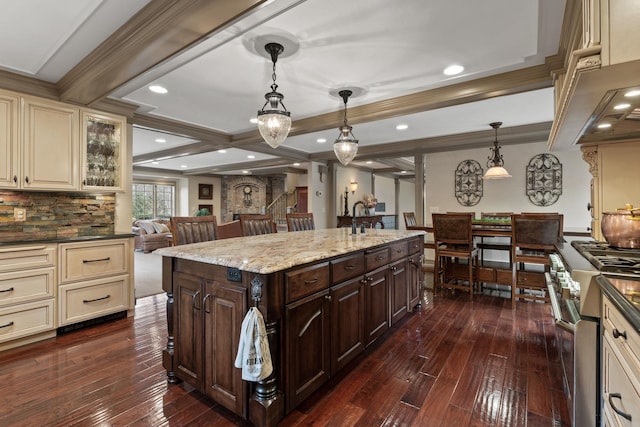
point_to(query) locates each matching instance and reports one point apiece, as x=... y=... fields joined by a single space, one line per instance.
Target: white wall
x=406 y=201
x=318 y=193
x=508 y=195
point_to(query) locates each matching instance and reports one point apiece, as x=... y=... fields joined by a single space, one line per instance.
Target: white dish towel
x=253 y=355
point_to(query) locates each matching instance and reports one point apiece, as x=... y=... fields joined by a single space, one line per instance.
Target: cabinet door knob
x=589 y=206
x=327 y=297
x=618 y=334
x=15 y=178
x=26 y=179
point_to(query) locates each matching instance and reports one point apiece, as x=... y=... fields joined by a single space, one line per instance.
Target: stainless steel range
x=576 y=304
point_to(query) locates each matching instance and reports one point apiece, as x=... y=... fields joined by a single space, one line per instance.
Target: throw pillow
x=147 y=226
x=160 y=227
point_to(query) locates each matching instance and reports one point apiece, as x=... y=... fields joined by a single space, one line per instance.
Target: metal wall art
x=544 y=179
x=469 y=183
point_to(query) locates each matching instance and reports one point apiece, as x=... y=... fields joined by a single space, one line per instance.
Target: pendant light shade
x=274 y=123
x=346 y=146
x=496 y=163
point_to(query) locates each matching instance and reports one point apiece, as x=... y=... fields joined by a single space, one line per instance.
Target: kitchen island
x=325 y=295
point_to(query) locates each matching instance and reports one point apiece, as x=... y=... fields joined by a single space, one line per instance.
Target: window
x=153 y=200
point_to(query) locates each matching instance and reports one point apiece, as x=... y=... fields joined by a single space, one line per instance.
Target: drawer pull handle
x=618 y=334
x=86 y=301
x=7 y=290
x=194 y=298
x=379 y=258
x=86 y=261
x=349 y=267
x=616 y=410
x=7 y=325
x=311 y=282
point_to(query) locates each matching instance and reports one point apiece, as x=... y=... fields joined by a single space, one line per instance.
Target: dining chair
x=299 y=221
x=193 y=229
x=428 y=263
x=533 y=239
x=229 y=230
x=454 y=242
x=255 y=225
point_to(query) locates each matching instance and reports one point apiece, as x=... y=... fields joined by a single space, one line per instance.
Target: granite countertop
x=25 y=240
x=269 y=253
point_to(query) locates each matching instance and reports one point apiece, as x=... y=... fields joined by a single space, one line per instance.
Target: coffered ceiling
x=210 y=57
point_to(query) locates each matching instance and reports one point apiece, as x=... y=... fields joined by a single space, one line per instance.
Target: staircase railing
x=278 y=208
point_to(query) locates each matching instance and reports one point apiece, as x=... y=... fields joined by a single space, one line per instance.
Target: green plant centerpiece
x=202 y=212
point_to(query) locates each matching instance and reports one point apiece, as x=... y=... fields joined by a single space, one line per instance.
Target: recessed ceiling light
x=403 y=172
x=222 y=151
x=158 y=89
x=369 y=162
x=321 y=140
x=621 y=106
x=253 y=120
x=155 y=163
x=296 y=164
x=245 y=171
x=251 y=156
x=402 y=126
x=604 y=125
x=452 y=70
x=161 y=140
x=183 y=166
x=632 y=93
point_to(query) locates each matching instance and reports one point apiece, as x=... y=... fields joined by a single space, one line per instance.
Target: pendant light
x=346 y=146
x=274 y=123
x=496 y=163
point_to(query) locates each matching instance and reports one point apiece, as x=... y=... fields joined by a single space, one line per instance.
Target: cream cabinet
x=95 y=279
x=9 y=140
x=52 y=146
x=103 y=151
x=50 y=155
x=613 y=167
x=620 y=368
x=27 y=294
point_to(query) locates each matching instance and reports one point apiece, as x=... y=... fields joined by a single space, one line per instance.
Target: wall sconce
x=274 y=124
x=496 y=163
x=353 y=187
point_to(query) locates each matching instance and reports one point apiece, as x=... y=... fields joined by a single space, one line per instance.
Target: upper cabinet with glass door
x=104 y=150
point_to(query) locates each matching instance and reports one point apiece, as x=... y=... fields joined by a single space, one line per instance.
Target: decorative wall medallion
x=544 y=179
x=469 y=183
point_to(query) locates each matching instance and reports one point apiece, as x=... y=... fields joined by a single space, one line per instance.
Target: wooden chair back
x=255 y=225
x=409 y=219
x=229 y=230
x=453 y=229
x=536 y=231
x=193 y=229
x=300 y=221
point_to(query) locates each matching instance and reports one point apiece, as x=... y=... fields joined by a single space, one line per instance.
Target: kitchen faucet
x=353 y=223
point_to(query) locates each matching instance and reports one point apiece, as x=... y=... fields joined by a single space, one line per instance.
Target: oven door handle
x=557 y=313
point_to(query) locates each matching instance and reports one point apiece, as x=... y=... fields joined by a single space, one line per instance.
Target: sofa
x=151 y=234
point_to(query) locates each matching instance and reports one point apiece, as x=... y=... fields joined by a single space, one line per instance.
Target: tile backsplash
x=56 y=214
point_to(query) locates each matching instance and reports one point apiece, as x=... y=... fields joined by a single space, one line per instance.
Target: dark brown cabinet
x=208 y=318
x=308 y=346
x=347 y=322
x=376 y=304
x=398 y=290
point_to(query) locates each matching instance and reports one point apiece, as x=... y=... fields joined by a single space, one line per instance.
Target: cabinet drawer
x=23 y=257
x=399 y=250
x=25 y=286
x=347 y=267
x=26 y=319
x=376 y=258
x=618 y=387
x=82 y=261
x=415 y=245
x=87 y=300
x=305 y=281
x=628 y=348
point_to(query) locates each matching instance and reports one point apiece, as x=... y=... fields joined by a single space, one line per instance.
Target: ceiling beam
x=159 y=31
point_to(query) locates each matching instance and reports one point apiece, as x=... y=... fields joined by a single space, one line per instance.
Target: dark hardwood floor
x=452 y=363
